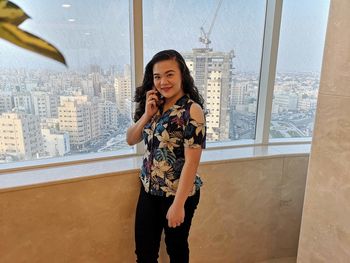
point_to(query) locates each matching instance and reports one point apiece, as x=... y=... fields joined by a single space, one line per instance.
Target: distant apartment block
x=285 y=102
x=307 y=104
x=23 y=102
x=56 y=143
x=78 y=115
x=6 y=101
x=45 y=104
x=238 y=93
x=87 y=87
x=123 y=94
x=20 y=136
x=108 y=115
x=49 y=123
x=108 y=92
x=95 y=75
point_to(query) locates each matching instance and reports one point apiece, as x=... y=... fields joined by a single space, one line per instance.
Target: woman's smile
x=165 y=89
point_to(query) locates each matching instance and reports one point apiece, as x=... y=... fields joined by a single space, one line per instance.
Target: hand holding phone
x=154 y=101
x=160 y=100
x=160 y=97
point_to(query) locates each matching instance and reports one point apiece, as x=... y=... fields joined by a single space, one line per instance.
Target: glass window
x=221 y=42
x=58 y=110
x=298 y=69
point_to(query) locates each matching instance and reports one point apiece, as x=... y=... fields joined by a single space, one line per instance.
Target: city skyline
x=59 y=101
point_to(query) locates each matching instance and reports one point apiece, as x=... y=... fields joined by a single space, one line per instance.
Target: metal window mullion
x=268 y=70
x=136 y=47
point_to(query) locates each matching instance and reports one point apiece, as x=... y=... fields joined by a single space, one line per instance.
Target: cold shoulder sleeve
x=194 y=133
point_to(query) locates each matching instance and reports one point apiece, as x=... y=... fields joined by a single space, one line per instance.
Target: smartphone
x=160 y=98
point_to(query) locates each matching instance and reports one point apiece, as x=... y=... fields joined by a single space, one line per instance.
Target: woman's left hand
x=175 y=215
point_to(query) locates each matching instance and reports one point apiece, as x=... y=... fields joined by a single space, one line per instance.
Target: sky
x=97 y=32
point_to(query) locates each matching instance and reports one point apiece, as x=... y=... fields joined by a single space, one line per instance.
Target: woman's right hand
x=134 y=132
x=151 y=106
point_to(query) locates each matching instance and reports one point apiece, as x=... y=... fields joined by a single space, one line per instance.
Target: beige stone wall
x=80 y=221
x=325 y=232
x=250 y=211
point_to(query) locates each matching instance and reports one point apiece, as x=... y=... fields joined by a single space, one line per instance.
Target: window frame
x=273 y=16
x=268 y=66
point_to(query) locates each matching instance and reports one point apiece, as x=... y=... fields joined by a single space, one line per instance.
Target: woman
x=169 y=119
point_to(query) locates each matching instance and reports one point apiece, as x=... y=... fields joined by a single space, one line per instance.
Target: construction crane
x=204 y=38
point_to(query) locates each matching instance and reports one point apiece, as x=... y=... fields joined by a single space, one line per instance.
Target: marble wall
x=80 y=221
x=325 y=231
x=250 y=211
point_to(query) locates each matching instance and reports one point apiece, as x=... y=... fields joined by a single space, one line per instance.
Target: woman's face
x=167 y=79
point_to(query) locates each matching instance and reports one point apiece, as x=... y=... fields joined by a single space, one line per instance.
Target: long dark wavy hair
x=187 y=81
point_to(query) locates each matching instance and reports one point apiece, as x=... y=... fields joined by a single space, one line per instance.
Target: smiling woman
x=174 y=135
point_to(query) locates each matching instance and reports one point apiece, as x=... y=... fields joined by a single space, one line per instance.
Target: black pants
x=151 y=220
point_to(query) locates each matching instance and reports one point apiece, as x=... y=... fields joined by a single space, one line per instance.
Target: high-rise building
x=307 y=104
x=45 y=104
x=49 y=123
x=238 y=93
x=87 y=87
x=212 y=73
x=23 y=102
x=20 y=135
x=108 y=115
x=122 y=86
x=95 y=75
x=108 y=92
x=285 y=102
x=30 y=84
x=6 y=101
x=78 y=115
x=56 y=143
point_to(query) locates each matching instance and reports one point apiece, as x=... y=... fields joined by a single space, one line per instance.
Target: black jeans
x=151 y=220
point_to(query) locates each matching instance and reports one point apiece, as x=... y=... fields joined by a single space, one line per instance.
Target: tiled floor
x=280 y=260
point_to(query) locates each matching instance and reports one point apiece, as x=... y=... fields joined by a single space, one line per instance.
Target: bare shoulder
x=196 y=112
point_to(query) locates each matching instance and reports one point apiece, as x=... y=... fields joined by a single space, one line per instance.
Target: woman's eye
x=170 y=75
x=156 y=77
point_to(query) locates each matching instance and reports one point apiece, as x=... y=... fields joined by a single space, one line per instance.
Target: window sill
x=47 y=175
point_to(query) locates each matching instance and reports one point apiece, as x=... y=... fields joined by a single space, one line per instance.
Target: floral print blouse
x=165 y=137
